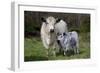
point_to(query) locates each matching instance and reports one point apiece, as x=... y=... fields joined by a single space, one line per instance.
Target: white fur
x=48 y=38
x=74 y=35
x=66 y=43
x=61 y=27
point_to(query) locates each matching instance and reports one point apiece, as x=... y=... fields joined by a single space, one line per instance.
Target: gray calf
x=68 y=41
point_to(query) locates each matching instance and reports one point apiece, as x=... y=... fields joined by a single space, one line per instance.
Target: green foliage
x=31 y=23
x=85 y=24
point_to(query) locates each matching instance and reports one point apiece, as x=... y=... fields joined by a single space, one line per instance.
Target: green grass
x=35 y=51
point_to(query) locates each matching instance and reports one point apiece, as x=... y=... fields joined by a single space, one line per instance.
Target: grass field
x=35 y=51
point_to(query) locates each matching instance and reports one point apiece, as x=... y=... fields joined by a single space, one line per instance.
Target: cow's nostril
x=52 y=30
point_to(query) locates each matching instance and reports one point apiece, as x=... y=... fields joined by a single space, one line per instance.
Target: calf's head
x=62 y=38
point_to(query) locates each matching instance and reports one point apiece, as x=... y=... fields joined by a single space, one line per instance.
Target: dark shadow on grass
x=69 y=53
x=59 y=54
x=81 y=52
x=35 y=58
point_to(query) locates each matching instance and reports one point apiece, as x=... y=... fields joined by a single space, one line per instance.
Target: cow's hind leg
x=76 y=50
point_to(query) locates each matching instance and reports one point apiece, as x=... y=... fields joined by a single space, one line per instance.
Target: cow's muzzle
x=51 y=30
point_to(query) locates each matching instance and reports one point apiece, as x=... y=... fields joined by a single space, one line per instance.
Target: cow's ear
x=64 y=33
x=58 y=20
x=43 y=19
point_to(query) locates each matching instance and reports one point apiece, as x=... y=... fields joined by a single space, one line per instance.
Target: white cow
x=69 y=41
x=48 y=35
x=60 y=27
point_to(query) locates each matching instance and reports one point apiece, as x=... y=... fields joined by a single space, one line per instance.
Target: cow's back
x=61 y=27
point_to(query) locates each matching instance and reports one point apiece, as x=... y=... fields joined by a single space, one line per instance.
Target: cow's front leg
x=47 y=52
x=64 y=53
x=51 y=53
x=76 y=50
x=54 y=52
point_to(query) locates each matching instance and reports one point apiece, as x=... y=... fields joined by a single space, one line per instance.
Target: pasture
x=35 y=51
x=33 y=46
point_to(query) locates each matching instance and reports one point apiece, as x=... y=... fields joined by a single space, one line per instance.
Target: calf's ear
x=58 y=20
x=43 y=19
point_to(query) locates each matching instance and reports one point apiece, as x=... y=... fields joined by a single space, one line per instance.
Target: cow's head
x=50 y=23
